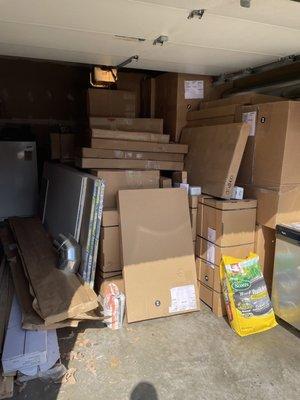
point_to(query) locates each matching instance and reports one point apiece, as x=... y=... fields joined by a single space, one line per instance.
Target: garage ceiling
x=226 y=39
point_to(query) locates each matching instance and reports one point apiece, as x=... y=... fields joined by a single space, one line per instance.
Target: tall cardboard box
x=111 y=103
x=200 y=212
x=109 y=259
x=116 y=180
x=175 y=95
x=229 y=222
x=157 y=252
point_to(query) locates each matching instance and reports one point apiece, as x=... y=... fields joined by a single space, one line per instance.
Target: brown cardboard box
x=213 y=299
x=179 y=177
x=131 y=145
x=193 y=201
x=129 y=155
x=116 y=180
x=109 y=259
x=153 y=125
x=229 y=223
x=165 y=182
x=245 y=99
x=173 y=99
x=108 y=163
x=135 y=136
x=208 y=274
x=212 y=253
x=214 y=156
x=62 y=146
x=157 y=249
x=111 y=103
x=200 y=212
x=223 y=111
x=276 y=206
x=105 y=275
x=193 y=214
x=132 y=82
x=227 y=119
x=110 y=217
x=265 y=239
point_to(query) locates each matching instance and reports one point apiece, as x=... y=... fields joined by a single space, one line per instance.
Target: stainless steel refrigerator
x=18 y=179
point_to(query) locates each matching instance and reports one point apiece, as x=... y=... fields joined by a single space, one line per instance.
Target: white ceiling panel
x=227 y=38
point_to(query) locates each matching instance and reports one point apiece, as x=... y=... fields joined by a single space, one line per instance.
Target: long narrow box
x=154 y=125
x=95 y=163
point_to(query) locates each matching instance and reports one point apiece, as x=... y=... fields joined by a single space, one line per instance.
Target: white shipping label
x=183 y=298
x=211 y=234
x=193 y=89
x=211 y=253
x=250 y=119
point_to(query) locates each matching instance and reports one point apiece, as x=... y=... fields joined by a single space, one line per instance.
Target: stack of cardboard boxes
x=225 y=227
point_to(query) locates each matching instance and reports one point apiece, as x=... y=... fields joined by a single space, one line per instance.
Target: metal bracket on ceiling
x=128 y=61
x=160 y=40
x=196 y=14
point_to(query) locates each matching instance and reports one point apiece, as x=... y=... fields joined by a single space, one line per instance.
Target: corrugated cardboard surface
x=129 y=155
x=110 y=217
x=116 y=180
x=165 y=182
x=213 y=299
x=246 y=98
x=157 y=251
x=154 y=125
x=229 y=227
x=208 y=274
x=214 y=156
x=109 y=163
x=109 y=259
x=131 y=145
x=276 y=206
x=201 y=199
x=111 y=103
x=223 y=111
x=125 y=135
x=227 y=119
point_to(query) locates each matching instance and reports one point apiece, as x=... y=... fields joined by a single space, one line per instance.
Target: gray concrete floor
x=187 y=357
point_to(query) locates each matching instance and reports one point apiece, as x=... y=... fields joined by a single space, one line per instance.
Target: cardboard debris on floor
x=214 y=156
x=157 y=253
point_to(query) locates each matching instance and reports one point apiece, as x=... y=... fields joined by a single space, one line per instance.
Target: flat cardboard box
x=179 y=177
x=174 y=99
x=200 y=212
x=158 y=255
x=212 y=253
x=111 y=103
x=193 y=214
x=265 y=239
x=226 y=119
x=110 y=217
x=153 y=125
x=129 y=155
x=229 y=223
x=276 y=206
x=108 y=163
x=135 y=136
x=224 y=111
x=116 y=180
x=213 y=299
x=214 y=156
x=245 y=99
x=131 y=145
x=209 y=274
x=109 y=259
x=165 y=182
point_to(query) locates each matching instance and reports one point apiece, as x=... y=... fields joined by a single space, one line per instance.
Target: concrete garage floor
x=187 y=357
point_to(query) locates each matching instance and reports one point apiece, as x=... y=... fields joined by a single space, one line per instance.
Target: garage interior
x=147 y=150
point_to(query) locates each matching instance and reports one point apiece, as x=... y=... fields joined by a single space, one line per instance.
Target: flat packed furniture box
x=111 y=103
x=214 y=156
x=241 y=99
x=157 y=253
x=153 y=125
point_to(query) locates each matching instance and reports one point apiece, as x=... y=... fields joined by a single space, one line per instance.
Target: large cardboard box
x=125 y=135
x=229 y=223
x=86 y=152
x=213 y=253
x=209 y=274
x=62 y=146
x=276 y=206
x=110 y=217
x=153 y=125
x=157 y=251
x=214 y=156
x=213 y=299
x=131 y=145
x=111 y=103
x=224 y=111
x=200 y=212
x=109 y=259
x=175 y=95
x=109 y=163
x=265 y=239
x=222 y=120
x=116 y=180
x=245 y=99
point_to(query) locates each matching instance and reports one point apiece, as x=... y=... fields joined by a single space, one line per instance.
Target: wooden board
x=215 y=154
x=97 y=163
x=124 y=135
x=58 y=295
